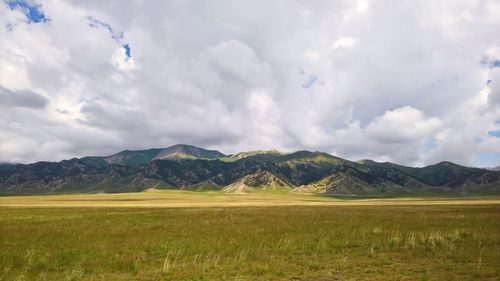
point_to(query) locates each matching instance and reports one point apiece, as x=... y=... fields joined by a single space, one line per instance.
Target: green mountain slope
x=366 y=181
x=265 y=154
x=179 y=151
x=443 y=174
x=259 y=181
x=183 y=151
x=190 y=167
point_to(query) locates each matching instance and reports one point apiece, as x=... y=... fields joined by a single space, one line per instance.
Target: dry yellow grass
x=179 y=198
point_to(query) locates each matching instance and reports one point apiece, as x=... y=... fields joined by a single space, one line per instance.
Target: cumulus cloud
x=402 y=125
x=122 y=61
x=405 y=134
x=404 y=82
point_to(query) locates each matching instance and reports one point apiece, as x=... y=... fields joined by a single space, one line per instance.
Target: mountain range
x=189 y=167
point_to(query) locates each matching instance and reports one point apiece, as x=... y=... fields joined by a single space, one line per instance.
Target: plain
x=257 y=236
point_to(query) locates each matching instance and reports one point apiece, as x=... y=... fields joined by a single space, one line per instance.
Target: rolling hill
x=189 y=167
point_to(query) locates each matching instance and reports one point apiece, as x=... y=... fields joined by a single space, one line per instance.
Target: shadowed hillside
x=186 y=166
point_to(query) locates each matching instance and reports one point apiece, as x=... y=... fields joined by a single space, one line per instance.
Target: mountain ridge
x=190 y=167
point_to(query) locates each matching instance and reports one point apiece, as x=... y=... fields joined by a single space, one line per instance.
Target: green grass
x=399 y=242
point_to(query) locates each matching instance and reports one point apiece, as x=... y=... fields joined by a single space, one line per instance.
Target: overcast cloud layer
x=412 y=82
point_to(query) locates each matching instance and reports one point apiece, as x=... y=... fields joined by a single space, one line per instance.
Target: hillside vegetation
x=189 y=167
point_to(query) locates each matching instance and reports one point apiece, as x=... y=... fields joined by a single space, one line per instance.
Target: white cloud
x=120 y=60
x=402 y=125
x=494 y=85
x=344 y=42
x=224 y=75
x=398 y=135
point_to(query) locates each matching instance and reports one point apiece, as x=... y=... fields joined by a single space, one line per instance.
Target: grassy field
x=322 y=239
x=154 y=198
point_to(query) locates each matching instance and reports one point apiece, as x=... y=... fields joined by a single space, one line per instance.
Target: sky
x=411 y=82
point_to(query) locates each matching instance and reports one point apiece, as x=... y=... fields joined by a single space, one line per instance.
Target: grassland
x=155 y=198
x=261 y=237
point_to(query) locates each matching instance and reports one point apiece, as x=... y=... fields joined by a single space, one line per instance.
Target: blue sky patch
x=487 y=159
x=88 y=99
x=93 y=22
x=490 y=62
x=32 y=10
x=117 y=36
x=430 y=144
x=310 y=81
x=127 y=50
x=495 y=134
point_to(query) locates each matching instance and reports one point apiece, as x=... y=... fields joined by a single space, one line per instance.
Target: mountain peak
x=181 y=151
x=246 y=154
x=178 y=151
